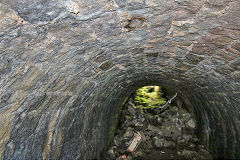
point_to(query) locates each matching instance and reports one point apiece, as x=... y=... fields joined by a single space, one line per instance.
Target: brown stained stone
x=155 y=43
x=106 y=65
x=59 y=141
x=220 y=41
x=182 y=14
x=9 y=18
x=231 y=17
x=5 y=131
x=232 y=52
x=236 y=46
x=48 y=142
x=218 y=31
x=100 y=58
x=234 y=34
x=135 y=22
x=202 y=49
x=169 y=49
x=179 y=34
x=183 y=44
x=77 y=55
x=222 y=54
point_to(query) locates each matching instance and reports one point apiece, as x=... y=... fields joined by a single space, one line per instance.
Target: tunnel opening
x=154 y=123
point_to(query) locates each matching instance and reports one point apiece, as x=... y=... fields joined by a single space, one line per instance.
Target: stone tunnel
x=67 y=66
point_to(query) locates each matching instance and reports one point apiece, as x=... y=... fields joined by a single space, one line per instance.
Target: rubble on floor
x=155 y=135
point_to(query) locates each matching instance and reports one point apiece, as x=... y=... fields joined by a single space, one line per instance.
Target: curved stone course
x=67 y=66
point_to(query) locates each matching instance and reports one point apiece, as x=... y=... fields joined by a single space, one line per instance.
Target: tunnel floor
x=166 y=132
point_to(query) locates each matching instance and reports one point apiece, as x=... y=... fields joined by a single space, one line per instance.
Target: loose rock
x=191 y=124
x=158 y=142
x=129 y=133
x=168 y=135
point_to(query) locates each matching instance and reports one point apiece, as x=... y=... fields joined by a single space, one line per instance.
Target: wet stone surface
x=66 y=66
x=166 y=134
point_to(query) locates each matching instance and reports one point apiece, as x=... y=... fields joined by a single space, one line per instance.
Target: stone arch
x=67 y=66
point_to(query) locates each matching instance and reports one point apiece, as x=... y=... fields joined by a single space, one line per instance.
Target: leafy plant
x=149 y=97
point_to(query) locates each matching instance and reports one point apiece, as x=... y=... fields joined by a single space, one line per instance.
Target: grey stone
x=132 y=110
x=192 y=145
x=186 y=116
x=191 y=124
x=175 y=132
x=166 y=131
x=129 y=158
x=235 y=63
x=154 y=129
x=158 y=142
x=117 y=140
x=111 y=152
x=204 y=154
x=186 y=153
x=148 y=133
x=186 y=137
x=174 y=109
x=169 y=144
x=128 y=133
x=67 y=66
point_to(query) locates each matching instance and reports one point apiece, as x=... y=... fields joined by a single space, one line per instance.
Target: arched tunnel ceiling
x=66 y=66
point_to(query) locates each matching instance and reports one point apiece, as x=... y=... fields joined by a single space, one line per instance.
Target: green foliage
x=149 y=97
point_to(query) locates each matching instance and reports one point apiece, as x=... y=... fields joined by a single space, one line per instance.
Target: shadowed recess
x=67 y=67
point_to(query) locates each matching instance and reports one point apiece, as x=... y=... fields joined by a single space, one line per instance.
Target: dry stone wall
x=66 y=67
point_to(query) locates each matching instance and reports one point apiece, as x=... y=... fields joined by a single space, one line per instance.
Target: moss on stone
x=128 y=117
x=149 y=97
